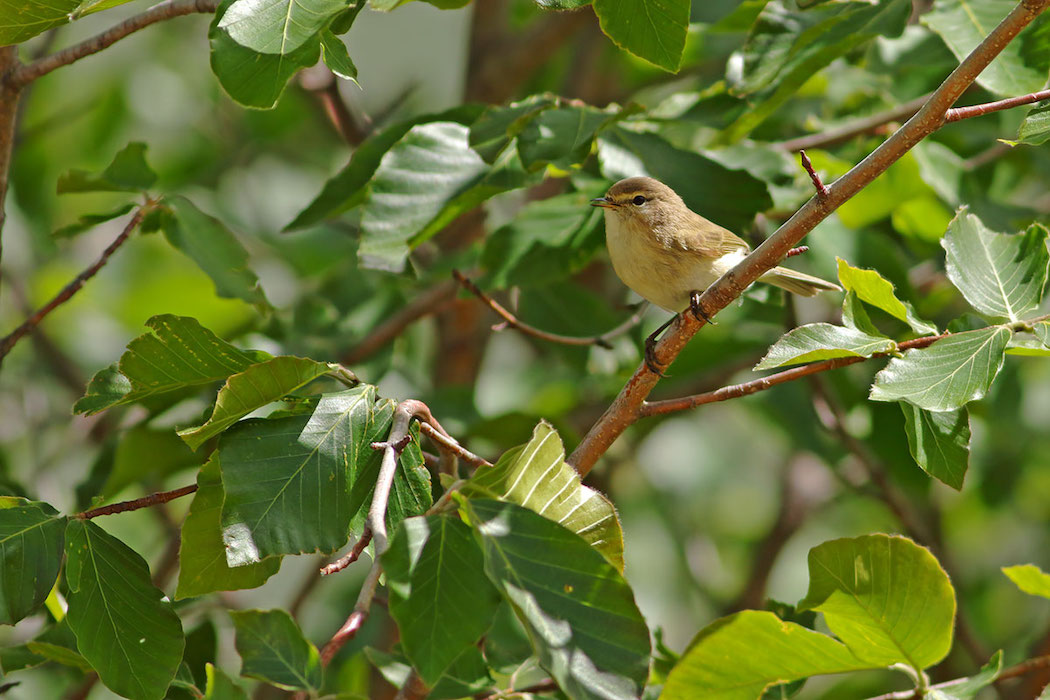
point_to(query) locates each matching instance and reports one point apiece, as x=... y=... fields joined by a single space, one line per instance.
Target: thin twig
x=831 y=137
x=431 y=301
x=959 y=113
x=23 y=75
x=541 y=687
x=818 y=184
x=797 y=251
x=1028 y=666
x=446 y=443
x=321 y=81
x=625 y=408
x=351 y=556
x=72 y=288
x=144 y=502
x=512 y=320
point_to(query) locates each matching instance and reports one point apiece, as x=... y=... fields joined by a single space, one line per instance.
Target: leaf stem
x=138 y=503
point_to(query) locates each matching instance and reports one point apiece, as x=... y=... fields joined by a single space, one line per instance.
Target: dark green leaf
x=222 y=687
x=202 y=555
x=146 y=454
x=273 y=649
x=1035 y=129
x=1000 y=275
x=21 y=20
x=178 y=353
x=738 y=657
x=885 y=597
x=215 y=250
x=939 y=442
x=741 y=18
x=90 y=221
x=288 y=480
x=58 y=643
x=18 y=658
x=872 y=288
x=963 y=24
x=124 y=628
x=277 y=26
x=582 y=619
x=468 y=675
x=336 y=57
x=507 y=643
x=730 y=198
x=32 y=534
x=1030 y=579
x=822 y=341
x=785 y=49
x=255 y=387
x=562 y=136
x=128 y=172
x=947 y=375
x=536 y=476
x=654 y=30
x=439 y=594
x=547 y=241
x=347 y=188
x=500 y=124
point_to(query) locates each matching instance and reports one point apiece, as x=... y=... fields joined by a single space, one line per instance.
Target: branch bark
x=138 y=503
x=626 y=408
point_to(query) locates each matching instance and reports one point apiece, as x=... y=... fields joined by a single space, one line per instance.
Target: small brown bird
x=669 y=254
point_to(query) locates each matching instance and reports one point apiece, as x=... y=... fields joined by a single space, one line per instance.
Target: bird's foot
x=650 y=355
x=694 y=306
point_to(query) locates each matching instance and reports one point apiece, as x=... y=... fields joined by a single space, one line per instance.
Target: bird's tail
x=798 y=282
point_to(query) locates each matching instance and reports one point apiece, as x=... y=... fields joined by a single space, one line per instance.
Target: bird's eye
x=639 y=200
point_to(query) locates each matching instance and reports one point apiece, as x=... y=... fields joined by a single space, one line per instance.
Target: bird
x=669 y=254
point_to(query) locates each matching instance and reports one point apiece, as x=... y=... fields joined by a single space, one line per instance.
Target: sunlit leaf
x=277 y=26
x=1001 y=275
x=939 y=442
x=536 y=476
x=872 y=288
x=1035 y=129
x=32 y=535
x=124 y=627
x=968 y=688
x=948 y=374
x=583 y=622
x=562 y=136
x=822 y=341
x=20 y=20
x=884 y=597
x=654 y=29
x=336 y=57
x=273 y=649
x=498 y=125
x=1030 y=579
x=439 y=594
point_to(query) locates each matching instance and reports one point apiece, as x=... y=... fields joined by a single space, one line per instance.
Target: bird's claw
x=694 y=306
x=650 y=356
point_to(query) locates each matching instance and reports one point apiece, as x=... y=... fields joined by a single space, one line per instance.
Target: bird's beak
x=602 y=202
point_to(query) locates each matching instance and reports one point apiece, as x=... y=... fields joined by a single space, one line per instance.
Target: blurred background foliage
x=719 y=505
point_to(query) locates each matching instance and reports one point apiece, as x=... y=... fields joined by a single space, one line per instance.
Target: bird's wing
x=711 y=240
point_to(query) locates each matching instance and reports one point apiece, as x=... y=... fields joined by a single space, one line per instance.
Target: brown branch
x=857 y=127
x=351 y=556
x=625 y=409
x=512 y=320
x=818 y=184
x=959 y=113
x=322 y=83
x=23 y=75
x=446 y=443
x=431 y=301
x=8 y=341
x=797 y=251
x=138 y=503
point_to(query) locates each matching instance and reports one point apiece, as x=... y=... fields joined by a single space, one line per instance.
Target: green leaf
x=822 y=341
x=939 y=442
x=251 y=78
x=963 y=24
x=785 y=49
x=439 y=594
x=738 y=657
x=128 y=172
x=968 y=688
x=58 y=643
x=277 y=26
x=90 y=221
x=288 y=480
x=855 y=316
x=21 y=20
x=423 y=182
x=1000 y=275
x=1035 y=129
x=336 y=57
x=255 y=387
x=467 y=676
x=872 y=288
x=178 y=353
x=347 y=188
x=498 y=125
x=536 y=476
x=222 y=687
x=146 y=454
x=1030 y=579
x=124 y=627
x=1042 y=332
x=32 y=534
x=730 y=198
x=562 y=136
x=273 y=649
x=884 y=597
x=948 y=374
x=202 y=555
x=215 y=250
x=654 y=29
x=582 y=619
x=547 y=241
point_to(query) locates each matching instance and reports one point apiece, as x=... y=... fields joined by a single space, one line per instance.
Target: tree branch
x=351 y=556
x=138 y=503
x=8 y=341
x=625 y=409
x=837 y=135
x=322 y=82
x=357 y=618
x=8 y=119
x=960 y=113
x=431 y=301
x=1023 y=668
x=23 y=75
